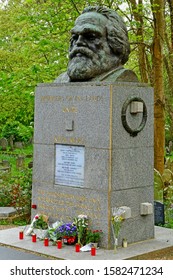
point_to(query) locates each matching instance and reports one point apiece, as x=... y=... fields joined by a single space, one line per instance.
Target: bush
x=19 y=131
x=16 y=191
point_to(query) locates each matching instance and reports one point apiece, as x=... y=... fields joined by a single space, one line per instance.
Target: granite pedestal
x=93 y=150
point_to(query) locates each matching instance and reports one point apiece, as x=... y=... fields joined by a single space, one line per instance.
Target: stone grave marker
x=20 y=162
x=159 y=215
x=4 y=143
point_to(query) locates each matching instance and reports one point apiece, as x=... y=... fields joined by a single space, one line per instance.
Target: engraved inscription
x=69 y=140
x=64 y=206
x=78 y=98
x=69 y=110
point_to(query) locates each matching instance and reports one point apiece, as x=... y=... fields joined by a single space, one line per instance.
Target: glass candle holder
x=34 y=237
x=46 y=242
x=77 y=248
x=93 y=251
x=21 y=235
x=59 y=244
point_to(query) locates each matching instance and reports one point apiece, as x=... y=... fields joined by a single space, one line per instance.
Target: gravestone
x=93 y=152
x=159 y=216
x=5 y=163
x=18 y=145
x=4 y=143
x=20 y=162
x=11 y=142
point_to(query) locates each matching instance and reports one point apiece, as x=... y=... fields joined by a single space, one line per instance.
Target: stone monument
x=93 y=140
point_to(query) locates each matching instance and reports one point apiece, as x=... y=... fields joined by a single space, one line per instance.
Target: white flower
x=82 y=216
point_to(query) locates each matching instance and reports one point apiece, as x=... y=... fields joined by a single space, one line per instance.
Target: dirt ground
x=163 y=254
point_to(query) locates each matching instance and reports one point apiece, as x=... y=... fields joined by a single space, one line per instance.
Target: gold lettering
x=69 y=140
x=78 y=98
x=48 y=200
x=50 y=98
x=69 y=110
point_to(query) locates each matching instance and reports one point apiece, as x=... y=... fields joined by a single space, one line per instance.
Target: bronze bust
x=99 y=48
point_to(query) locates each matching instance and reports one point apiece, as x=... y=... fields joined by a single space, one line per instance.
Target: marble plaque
x=69 y=165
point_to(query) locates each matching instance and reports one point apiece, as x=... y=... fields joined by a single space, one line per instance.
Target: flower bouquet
x=67 y=232
x=40 y=226
x=116 y=220
x=52 y=234
x=81 y=223
x=41 y=222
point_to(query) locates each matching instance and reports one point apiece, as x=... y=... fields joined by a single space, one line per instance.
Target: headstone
x=11 y=142
x=91 y=154
x=5 y=163
x=18 y=145
x=20 y=162
x=3 y=143
x=159 y=216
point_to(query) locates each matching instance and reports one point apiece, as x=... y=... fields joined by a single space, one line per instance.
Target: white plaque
x=69 y=165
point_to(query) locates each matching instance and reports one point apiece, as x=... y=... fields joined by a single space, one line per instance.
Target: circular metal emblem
x=133 y=132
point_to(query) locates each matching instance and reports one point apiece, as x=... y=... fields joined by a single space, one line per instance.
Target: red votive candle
x=59 y=244
x=34 y=238
x=34 y=206
x=77 y=248
x=21 y=235
x=46 y=242
x=93 y=251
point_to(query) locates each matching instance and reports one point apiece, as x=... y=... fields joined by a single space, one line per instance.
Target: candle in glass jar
x=21 y=235
x=77 y=247
x=93 y=251
x=59 y=244
x=46 y=242
x=34 y=238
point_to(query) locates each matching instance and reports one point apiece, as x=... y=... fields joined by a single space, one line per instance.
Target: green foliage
x=19 y=131
x=93 y=236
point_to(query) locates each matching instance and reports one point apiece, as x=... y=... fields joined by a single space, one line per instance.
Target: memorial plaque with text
x=69 y=165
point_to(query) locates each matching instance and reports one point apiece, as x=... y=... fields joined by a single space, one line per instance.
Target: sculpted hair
x=117 y=35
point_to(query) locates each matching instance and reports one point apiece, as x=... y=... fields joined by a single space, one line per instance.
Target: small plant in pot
x=93 y=236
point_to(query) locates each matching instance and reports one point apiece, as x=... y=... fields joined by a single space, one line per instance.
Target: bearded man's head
x=99 y=43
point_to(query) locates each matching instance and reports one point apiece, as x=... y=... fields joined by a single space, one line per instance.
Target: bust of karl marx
x=99 y=48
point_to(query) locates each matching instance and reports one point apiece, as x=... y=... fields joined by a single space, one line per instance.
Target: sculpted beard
x=84 y=64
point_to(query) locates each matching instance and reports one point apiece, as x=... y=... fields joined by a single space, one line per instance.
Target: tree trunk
x=137 y=10
x=159 y=101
